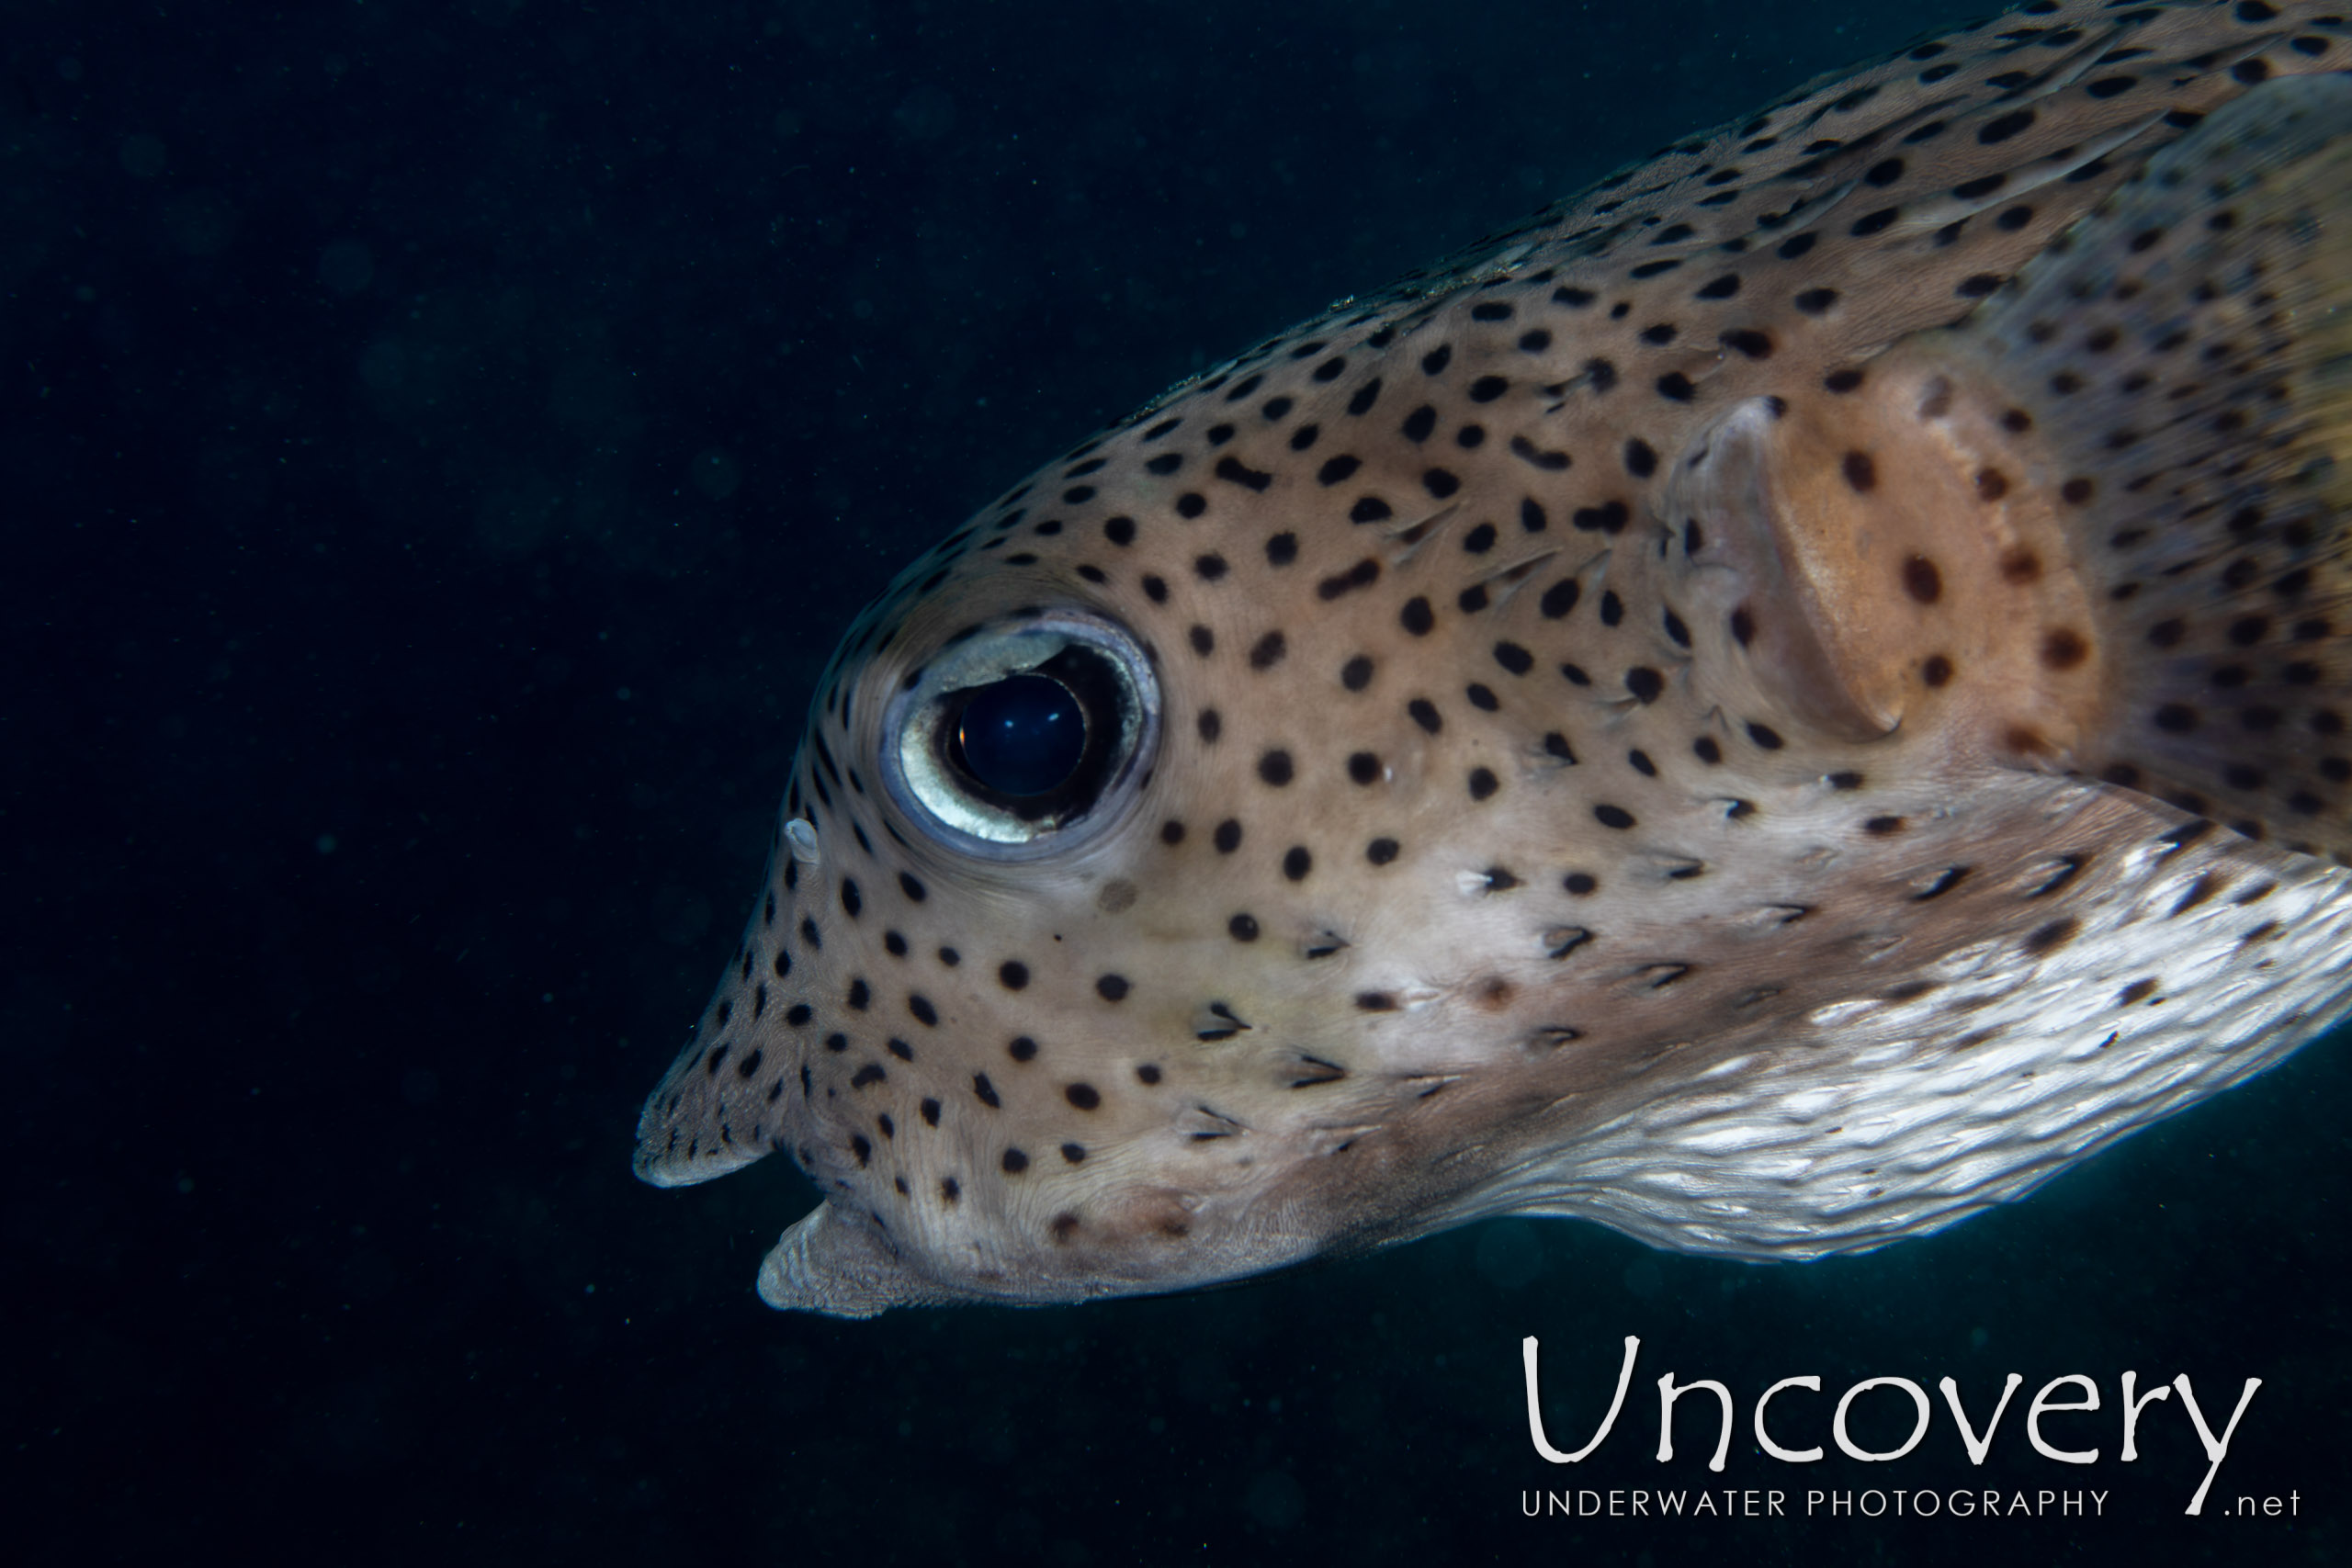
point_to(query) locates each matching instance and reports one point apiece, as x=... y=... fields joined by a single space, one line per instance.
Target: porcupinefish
x=1776 y=706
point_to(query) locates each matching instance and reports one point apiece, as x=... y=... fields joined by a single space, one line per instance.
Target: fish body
x=1775 y=706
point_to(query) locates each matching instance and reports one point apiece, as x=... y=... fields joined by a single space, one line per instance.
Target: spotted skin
x=1723 y=710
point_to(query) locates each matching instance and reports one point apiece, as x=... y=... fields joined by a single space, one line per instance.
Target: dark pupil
x=1023 y=735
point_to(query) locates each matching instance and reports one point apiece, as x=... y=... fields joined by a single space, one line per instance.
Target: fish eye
x=1020 y=736
x=1023 y=739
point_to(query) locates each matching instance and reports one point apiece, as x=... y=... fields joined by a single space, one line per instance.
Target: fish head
x=1194 y=984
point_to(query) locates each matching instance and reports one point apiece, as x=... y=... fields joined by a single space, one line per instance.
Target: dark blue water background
x=440 y=444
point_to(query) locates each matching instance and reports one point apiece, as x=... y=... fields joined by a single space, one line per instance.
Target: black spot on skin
x=1764 y=736
x=1227 y=837
x=1241 y=928
x=1267 y=651
x=1417 y=616
x=1111 y=988
x=1381 y=852
x=1012 y=973
x=1514 y=658
x=851 y=899
x=1640 y=460
x=1234 y=470
x=1922 y=580
x=1486 y=389
x=1418 y=423
x=1275 y=768
x=1074 y=1153
x=1434 y=362
x=1613 y=817
x=1370 y=509
x=930 y=1109
x=1936 y=671
x=1675 y=386
x=1020 y=1048
x=2054 y=935
x=1363 y=767
x=1336 y=469
x=924 y=1012
x=2005 y=127
x=859 y=994
x=1297 y=862
x=1356 y=673
x=1281 y=550
x=1560 y=598
x=1861 y=474
x=1424 y=712
x=871 y=1073
x=1842 y=382
x=1644 y=683
x=1581 y=884
x=1815 y=302
x=1482 y=784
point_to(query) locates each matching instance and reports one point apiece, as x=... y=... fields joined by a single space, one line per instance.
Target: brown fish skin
x=1660 y=719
